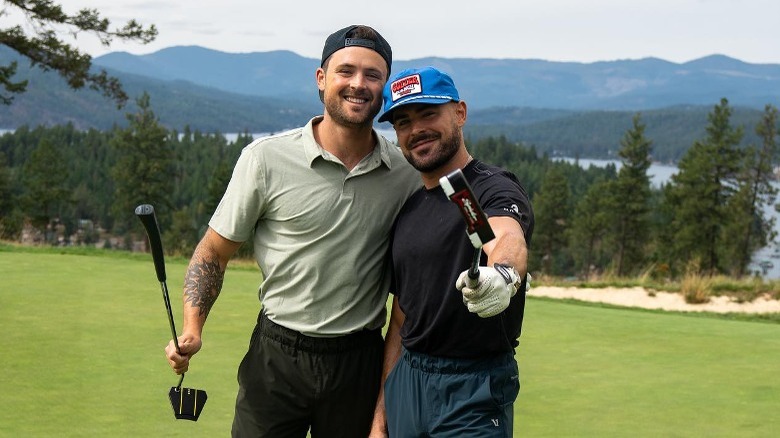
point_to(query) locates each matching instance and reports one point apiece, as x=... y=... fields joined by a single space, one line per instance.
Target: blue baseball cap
x=417 y=85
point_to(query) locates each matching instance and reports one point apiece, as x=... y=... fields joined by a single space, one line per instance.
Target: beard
x=336 y=108
x=448 y=147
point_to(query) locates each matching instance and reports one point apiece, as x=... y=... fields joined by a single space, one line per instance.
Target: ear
x=320 y=77
x=461 y=112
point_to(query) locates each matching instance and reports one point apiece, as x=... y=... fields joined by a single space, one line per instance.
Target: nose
x=416 y=126
x=358 y=81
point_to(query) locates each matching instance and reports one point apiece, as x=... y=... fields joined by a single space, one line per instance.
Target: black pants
x=289 y=383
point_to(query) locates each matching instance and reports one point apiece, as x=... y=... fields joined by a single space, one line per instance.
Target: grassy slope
x=83 y=336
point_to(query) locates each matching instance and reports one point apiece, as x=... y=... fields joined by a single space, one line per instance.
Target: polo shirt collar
x=313 y=150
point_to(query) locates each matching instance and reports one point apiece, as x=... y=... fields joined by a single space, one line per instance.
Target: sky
x=554 y=30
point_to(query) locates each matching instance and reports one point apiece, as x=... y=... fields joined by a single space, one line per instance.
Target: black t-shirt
x=431 y=248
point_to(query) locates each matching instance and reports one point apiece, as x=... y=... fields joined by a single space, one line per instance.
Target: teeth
x=356 y=100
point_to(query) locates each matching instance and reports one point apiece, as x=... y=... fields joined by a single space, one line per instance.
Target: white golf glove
x=492 y=291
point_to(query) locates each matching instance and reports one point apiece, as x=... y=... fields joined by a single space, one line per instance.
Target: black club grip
x=145 y=213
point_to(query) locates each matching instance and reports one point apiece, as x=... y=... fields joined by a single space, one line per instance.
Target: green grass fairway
x=82 y=356
x=600 y=372
x=82 y=348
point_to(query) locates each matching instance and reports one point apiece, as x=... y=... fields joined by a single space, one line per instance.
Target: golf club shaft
x=167 y=300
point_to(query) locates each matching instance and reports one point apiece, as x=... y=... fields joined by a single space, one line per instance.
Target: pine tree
x=588 y=230
x=701 y=191
x=751 y=228
x=551 y=210
x=629 y=201
x=143 y=172
x=9 y=224
x=40 y=44
x=6 y=193
x=44 y=176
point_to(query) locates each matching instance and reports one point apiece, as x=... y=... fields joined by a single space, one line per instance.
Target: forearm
x=509 y=246
x=203 y=282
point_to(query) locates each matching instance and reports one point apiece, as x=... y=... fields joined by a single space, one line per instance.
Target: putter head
x=187 y=403
x=459 y=191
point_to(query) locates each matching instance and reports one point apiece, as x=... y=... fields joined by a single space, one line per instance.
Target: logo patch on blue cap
x=405 y=86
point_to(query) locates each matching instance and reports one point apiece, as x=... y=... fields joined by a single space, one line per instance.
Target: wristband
x=510 y=274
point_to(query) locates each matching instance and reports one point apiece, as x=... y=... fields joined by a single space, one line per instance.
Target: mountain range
x=562 y=107
x=649 y=83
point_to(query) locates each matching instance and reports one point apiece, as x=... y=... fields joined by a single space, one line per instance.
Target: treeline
x=709 y=219
x=63 y=186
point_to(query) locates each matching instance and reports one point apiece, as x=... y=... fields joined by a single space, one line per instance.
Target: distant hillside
x=615 y=85
x=280 y=74
x=597 y=134
x=177 y=103
x=266 y=101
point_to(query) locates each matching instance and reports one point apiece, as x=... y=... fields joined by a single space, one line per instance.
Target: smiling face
x=429 y=135
x=351 y=81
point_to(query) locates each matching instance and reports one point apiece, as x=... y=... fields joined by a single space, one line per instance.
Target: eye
x=400 y=123
x=375 y=75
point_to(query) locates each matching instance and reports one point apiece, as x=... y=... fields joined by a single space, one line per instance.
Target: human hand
x=493 y=289
x=188 y=346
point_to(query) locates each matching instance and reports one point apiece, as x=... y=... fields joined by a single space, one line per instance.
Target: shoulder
x=273 y=142
x=397 y=162
x=487 y=176
x=501 y=194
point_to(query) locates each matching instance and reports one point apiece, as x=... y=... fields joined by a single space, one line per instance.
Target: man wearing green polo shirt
x=318 y=204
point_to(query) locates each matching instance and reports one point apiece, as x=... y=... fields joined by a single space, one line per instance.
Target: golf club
x=187 y=403
x=477 y=226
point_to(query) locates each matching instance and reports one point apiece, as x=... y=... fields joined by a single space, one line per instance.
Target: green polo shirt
x=320 y=232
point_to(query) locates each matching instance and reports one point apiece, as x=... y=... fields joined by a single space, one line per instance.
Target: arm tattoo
x=202 y=285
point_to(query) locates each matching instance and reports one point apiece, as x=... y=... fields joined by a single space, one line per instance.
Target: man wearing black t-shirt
x=449 y=367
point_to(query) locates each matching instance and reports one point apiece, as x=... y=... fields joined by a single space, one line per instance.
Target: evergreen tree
x=751 y=229
x=629 y=201
x=40 y=44
x=6 y=191
x=701 y=192
x=589 y=228
x=143 y=172
x=182 y=236
x=44 y=176
x=9 y=221
x=551 y=210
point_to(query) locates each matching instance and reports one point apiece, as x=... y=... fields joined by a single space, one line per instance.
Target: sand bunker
x=639 y=297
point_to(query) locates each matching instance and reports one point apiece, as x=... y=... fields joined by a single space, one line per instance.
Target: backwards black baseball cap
x=347 y=38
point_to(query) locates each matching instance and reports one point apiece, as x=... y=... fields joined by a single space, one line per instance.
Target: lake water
x=659 y=173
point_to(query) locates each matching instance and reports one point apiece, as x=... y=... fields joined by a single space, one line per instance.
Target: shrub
x=696 y=289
